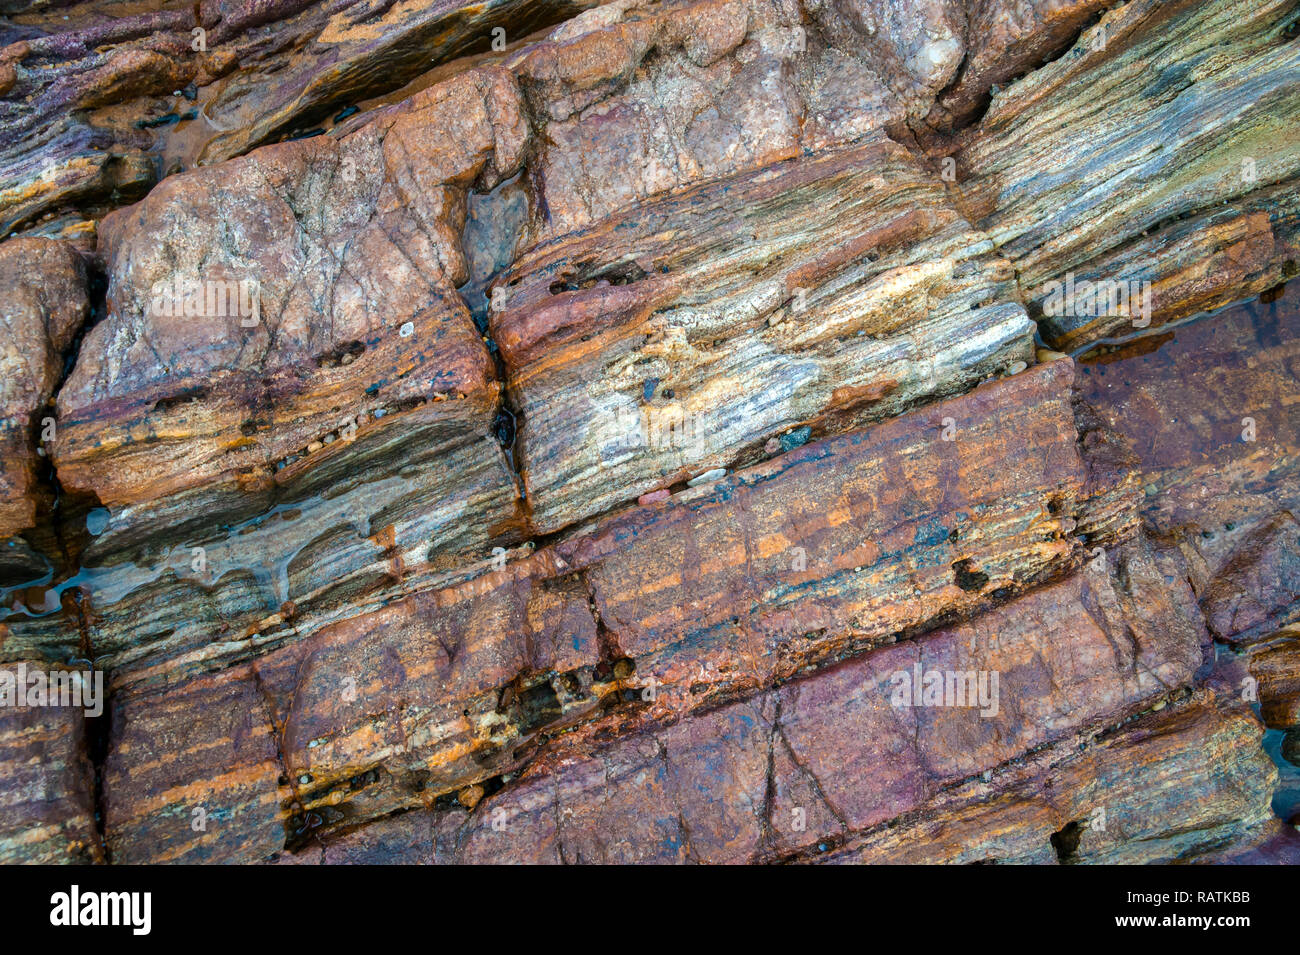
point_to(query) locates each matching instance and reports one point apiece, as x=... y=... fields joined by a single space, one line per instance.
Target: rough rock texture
x=1213 y=419
x=43 y=308
x=48 y=794
x=97 y=104
x=625 y=435
x=1186 y=113
x=1275 y=664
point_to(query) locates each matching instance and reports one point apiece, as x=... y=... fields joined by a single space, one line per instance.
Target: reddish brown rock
x=43 y=307
x=399 y=706
x=742 y=313
x=1211 y=415
x=844 y=543
x=95 y=105
x=156 y=810
x=1275 y=664
x=1122 y=798
x=288 y=402
x=765 y=269
x=168 y=380
x=725 y=786
x=1005 y=40
x=1127 y=798
x=48 y=795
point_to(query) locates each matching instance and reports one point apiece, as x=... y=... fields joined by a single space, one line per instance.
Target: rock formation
x=651 y=431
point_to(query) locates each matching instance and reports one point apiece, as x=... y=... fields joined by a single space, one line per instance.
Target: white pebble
x=708 y=477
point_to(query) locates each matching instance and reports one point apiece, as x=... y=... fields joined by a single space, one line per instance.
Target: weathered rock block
x=725 y=786
x=728 y=315
x=42 y=309
x=1161 y=149
x=48 y=797
x=711 y=596
x=1212 y=419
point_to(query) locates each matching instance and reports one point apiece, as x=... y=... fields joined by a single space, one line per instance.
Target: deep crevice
x=98 y=731
x=1066 y=842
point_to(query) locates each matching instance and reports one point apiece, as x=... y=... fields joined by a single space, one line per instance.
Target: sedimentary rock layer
x=212 y=379
x=827 y=293
x=1161 y=148
x=43 y=307
x=98 y=105
x=624 y=438
x=1275 y=664
x=48 y=796
x=1122 y=800
x=249 y=454
x=825 y=761
x=709 y=596
x=1212 y=418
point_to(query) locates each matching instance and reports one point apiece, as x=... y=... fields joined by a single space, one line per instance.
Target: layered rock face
x=624 y=432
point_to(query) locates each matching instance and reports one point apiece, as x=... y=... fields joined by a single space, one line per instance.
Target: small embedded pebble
x=1016 y=368
x=97 y=521
x=648 y=389
x=772 y=446
x=796 y=438
x=659 y=495
x=1046 y=354
x=407 y=330
x=314 y=447
x=708 y=477
x=469 y=796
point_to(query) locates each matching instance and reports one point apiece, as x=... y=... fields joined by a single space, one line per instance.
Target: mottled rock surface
x=43 y=308
x=623 y=432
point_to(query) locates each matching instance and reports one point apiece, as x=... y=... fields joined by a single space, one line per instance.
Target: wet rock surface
x=619 y=432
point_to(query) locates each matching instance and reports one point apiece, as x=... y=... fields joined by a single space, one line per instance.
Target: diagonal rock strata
x=564 y=451
x=1121 y=801
x=833 y=744
x=1188 y=180
x=450 y=688
x=662 y=340
x=1212 y=423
